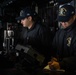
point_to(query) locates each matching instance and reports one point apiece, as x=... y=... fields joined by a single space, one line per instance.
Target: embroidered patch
x=69 y=41
x=21 y=13
x=62 y=12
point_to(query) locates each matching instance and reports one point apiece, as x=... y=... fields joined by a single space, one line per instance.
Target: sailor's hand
x=54 y=64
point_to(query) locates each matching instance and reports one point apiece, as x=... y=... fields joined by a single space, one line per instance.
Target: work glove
x=53 y=64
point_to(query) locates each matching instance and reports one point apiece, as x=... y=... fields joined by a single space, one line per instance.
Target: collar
x=33 y=26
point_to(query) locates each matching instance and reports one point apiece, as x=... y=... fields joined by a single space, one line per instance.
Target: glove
x=54 y=64
x=47 y=67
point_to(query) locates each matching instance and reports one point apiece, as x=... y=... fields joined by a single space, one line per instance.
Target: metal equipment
x=8 y=43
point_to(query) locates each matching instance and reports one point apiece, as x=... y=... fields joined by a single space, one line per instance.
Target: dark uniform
x=39 y=38
x=65 y=45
